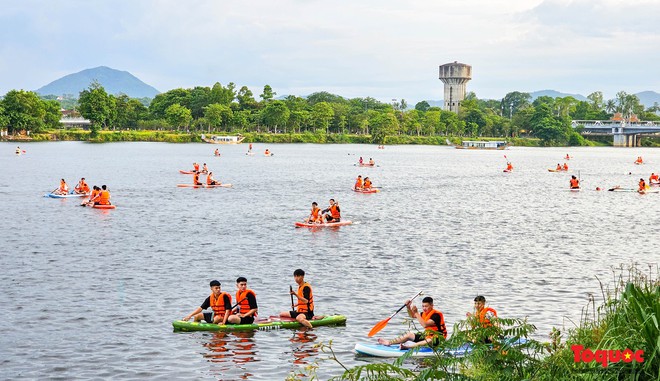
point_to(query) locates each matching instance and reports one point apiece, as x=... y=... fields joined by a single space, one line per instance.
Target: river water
x=89 y=294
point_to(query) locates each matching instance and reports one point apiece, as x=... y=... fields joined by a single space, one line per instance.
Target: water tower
x=455 y=77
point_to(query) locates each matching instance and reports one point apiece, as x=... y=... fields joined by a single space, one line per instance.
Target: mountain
x=113 y=81
x=647 y=98
x=555 y=94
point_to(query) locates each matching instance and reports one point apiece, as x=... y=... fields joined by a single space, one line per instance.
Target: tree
x=382 y=125
x=422 y=106
x=549 y=128
x=224 y=95
x=164 y=100
x=23 y=111
x=52 y=114
x=275 y=114
x=95 y=104
x=596 y=99
x=324 y=96
x=268 y=93
x=246 y=98
x=218 y=115
x=178 y=116
x=322 y=114
x=515 y=101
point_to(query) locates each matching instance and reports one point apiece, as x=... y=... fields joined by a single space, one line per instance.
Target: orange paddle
x=381 y=324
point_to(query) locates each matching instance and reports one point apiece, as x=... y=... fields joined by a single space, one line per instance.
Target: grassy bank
x=254 y=137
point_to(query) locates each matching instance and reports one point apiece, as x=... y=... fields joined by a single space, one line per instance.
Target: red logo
x=604 y=356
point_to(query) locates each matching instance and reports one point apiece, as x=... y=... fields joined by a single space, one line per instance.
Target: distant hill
x=113 y=81
x=647 y=98
x=555 y=94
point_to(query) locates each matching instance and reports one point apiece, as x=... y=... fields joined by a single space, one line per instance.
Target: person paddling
x=246 y=304
x=432 y=321
x=642 y=186
x=367 y=184
x=210 y=180
x=250 y=147
x=334 y=214
x=103 y=197
x=63 y=188
x=567 y=157
x=216 y=152
x=305 y=306
x=358 y=183
x=565 y=167
x=92 y=197
x=196 y=167
x=574 y=182
x=205 y=169
x=483 y=315
x=558 y=167
x=509 y=166
x=18 y=150
x=220 y=304
x=82 y=187
x=654 y=179
x=196 y=179
x=267 y=153
x=315 y=214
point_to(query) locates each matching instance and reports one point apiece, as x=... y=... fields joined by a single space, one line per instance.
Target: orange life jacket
x=196 y=166
x=94 y=194
x=558 y=167
x=64 y=187
x=575 y=183
x=315 y=213
x=442 y=329
x=267 y=152
x=642 y=185
x=483 y=320
x=654 y=177
x=334 y=212
x=565 y=167
x=309 y=306
x=242 y=300
x=509 y=167
x=209 y=180
x=196 y=178
x=218 y=304
x=104 y=197
x=367 y=184
x=358 y=183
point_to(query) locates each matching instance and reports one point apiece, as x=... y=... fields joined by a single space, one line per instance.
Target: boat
x=215 y=139
x=557 y=170
x=70 y=195
x=366 y=164
x=271 y=323
x=181 y=171
x=370 y=190
x=323 y=225
x=204 y=186
x=574 y=189
x=483 y=144
x=379 y=350
x=104 y=206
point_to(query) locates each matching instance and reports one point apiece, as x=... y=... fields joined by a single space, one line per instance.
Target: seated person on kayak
x=558 y=167
x=93 y=197
x=246 y=304
x=305 y=306
x=565 y=167
x=574 y=182
x=196 y=179
x=358 y=183
x=431 y=320
x=195 y=167
x=267 y=153
x=482 y=315
x=63 y=188
x=654 y=179
x=103 y=197
x=509 y=166
x=642 y=185
x=205 y=169
x=367 y=184
x=220 y=303
x=371 y=161
x=210 y=180
x=315 y=216
x=335 y=213
x=82 y=187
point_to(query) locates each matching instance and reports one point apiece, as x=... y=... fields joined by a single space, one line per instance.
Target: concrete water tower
x=455 y=77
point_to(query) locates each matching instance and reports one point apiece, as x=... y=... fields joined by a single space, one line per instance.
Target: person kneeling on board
x=220 y=304
x=367 y=184
x=103 y=197
x=431 y=320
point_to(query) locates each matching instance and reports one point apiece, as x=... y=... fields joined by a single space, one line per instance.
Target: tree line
x=226 y=109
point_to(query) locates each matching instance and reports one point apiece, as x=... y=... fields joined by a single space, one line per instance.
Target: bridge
x=625 y=134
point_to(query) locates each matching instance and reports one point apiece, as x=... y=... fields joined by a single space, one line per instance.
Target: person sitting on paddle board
x=367 y=184
x=305 y=306
x=18 y=150
x=205 y=169
x=63 y=188
x=246 y=304
x=558 y=167
x=220 y=304
x=642 y=186
x=315 y=216
x=567 y=157
x=196 y=179
x=358 y=183
x=432 y=321
x=482 y=314
x=565 y=167
x=216 y=152
x=654 y=179
x=250 y=147
x=335 y=213
x=210 y=180
x=103 y=197
x=371 y=161
x=82 y=187
x=361 y=161
x=93 y=196
x=574 y=182
x=509 y=166
x=267 y=152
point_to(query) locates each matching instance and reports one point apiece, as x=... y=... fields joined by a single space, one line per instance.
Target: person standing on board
x=574 y=182
x=18 y=150
x=361 y=161
x=358 y=183
x=483 y=315
x=314 y=215
x=246 y=301
x=250 y=148
x=305 y=306
x=334 y=214
x=220 y=304
x=103 y=197
x=432 y=320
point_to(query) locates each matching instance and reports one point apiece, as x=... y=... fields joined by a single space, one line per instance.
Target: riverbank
x=254 y=137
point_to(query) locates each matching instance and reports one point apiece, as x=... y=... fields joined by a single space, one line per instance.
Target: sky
x=354 y=48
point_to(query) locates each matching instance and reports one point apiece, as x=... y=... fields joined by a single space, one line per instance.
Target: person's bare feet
x=384 y=342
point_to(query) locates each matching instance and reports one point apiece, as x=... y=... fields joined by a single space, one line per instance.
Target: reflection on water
x=231 y=352
x=303 y=346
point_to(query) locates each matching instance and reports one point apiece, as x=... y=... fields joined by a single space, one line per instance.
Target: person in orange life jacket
x=431 y=320
x=509 y=166
x=104 y=196
x=574 y=183
x=642 y=185
x=246 y=300
x=558 y=167
x=315 y=215
x=82 y=187
x=220 y=304
x=358 y=183
x=367 y=183
x=205 y=169
x=335 y=213
x=483 y=315
x=196 y=179
x=195 y=167
x=654 y=178
x=305 y=311
x=565 y=167
x=210 y=180
x=63 y=188
x=93 y=197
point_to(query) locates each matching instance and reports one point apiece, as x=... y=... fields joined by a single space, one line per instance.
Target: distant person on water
x=332 y=212
x=639 y=160
x=509 y=166
x=565 y=167
x=315 y=214
x=654 y=179
x=267 y=153
x=574 y=182
x=82 y=187
x=103 y=197
x=216 y=152
x=196 y=179
x=220 y=304
x=63 y=188
x=558 y=167
x=210 y=180
x=205 y=169
x=432 y=321
x=483 y=315
x=246 y=304
x=304 y=308
x=642 y=185
x=371 y=161
x=18 y=150
x=358 y=183
x=361 y=161
x=367 y=184
x=196 y=167
x=250 y=148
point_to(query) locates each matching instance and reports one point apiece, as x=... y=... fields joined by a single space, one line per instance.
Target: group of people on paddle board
x=371 y=161
x=561 y=167
x=99 y=196
x=330 y=214
x=362 y=185
x=245 y=310
x=209 y=175
x=80 y=188
x=433 y=323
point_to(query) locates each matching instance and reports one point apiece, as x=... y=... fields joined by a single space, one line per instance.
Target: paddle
x=290 y=294
x=381 y=324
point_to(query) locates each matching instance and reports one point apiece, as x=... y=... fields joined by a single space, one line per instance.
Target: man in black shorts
x=246 y=304
x=220 y=304
x=305 y=306
x=430 y=319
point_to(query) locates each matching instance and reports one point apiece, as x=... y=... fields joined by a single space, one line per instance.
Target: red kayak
x=181 y=171
x=324 y=225
x=204 y=186
x=370 y=190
